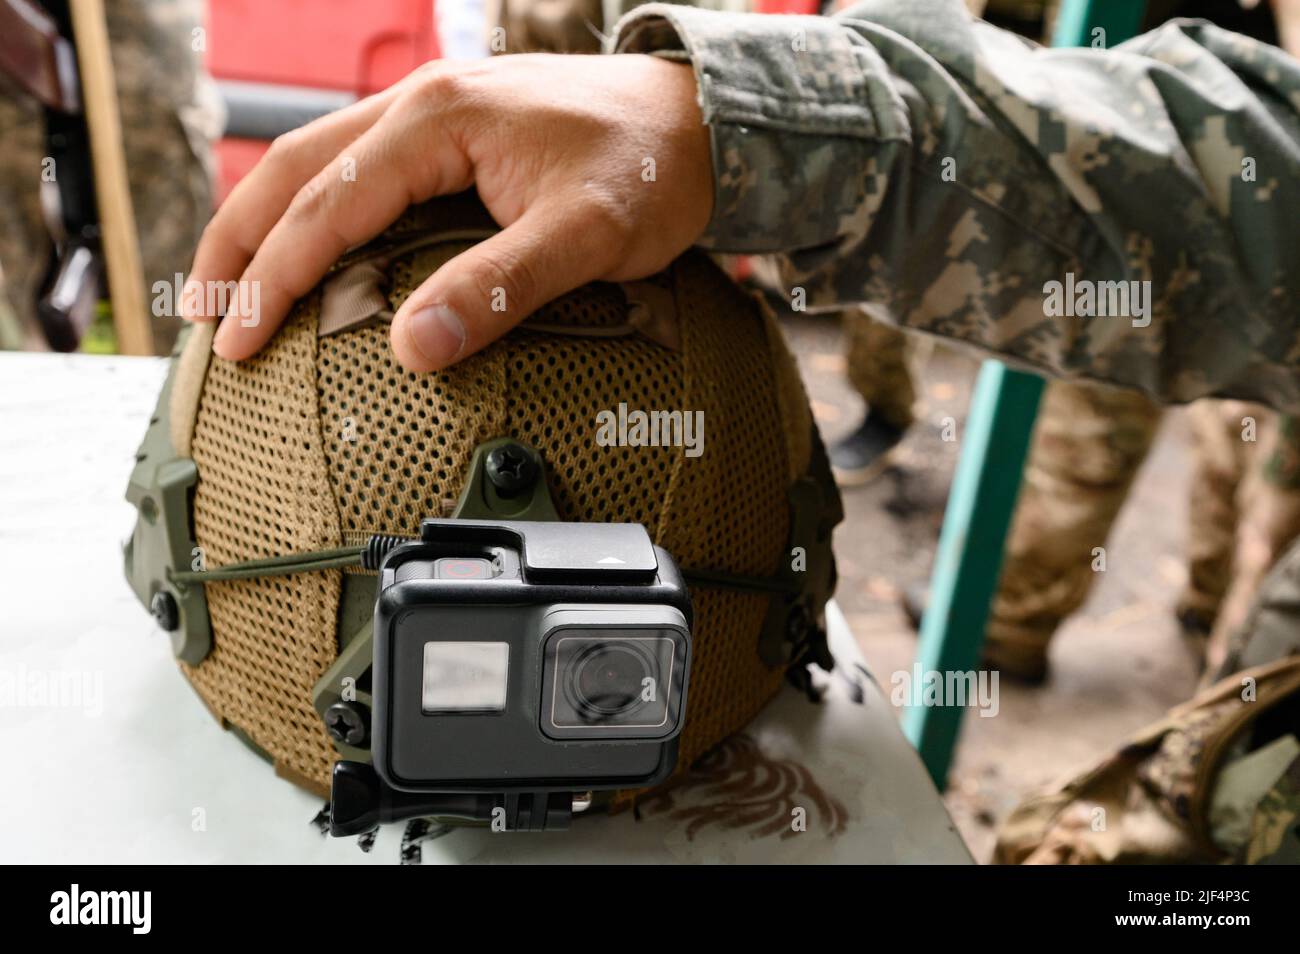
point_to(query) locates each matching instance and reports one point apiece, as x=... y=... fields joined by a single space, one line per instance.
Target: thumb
x=479 y=295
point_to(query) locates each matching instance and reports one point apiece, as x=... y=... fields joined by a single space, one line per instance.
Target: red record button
x=463 y=568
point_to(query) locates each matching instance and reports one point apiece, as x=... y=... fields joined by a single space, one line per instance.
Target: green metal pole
x=969 y=559
x=1003 y=408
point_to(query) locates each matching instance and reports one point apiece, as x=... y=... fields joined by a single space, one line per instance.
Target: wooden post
x=112 y=191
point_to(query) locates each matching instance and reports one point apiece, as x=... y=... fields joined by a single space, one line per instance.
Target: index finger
x=254 y=206
x=402 y=159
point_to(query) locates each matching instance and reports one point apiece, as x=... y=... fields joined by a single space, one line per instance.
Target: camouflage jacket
x=1128 y=215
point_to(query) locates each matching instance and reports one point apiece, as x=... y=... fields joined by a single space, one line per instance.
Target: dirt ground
x=1116 y=665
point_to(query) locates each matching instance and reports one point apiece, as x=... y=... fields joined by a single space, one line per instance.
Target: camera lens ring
x=606 y=678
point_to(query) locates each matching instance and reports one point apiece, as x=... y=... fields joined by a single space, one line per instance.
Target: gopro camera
x=517 y=667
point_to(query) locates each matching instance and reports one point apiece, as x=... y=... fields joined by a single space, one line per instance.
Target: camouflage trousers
x=170 y=118
x=1087 y=448
x=882 y=363
x=1245 y=513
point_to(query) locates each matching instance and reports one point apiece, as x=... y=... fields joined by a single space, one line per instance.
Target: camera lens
x=613 y=682
x=607 y=678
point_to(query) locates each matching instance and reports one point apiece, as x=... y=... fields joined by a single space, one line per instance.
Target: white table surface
x=137 y=771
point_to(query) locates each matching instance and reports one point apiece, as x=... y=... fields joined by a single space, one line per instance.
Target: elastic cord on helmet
x=371 y=555
x=334 y=559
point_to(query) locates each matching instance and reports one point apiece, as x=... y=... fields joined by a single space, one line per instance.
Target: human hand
x=560 y=148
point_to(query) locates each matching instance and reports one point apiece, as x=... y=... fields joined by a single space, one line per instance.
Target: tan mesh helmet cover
x=320 y=441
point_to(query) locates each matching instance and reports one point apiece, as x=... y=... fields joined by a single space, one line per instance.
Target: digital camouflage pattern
x=1221 y=456
x=1088 y=444
x=24 y=243
x=170 y=118
x=880 y=361
x=1276 y=819
x=1244 y=511
x=904 y=154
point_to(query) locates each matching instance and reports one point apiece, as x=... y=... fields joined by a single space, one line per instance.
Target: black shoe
x=1195 y=627
x=1194 y=623
x=860 y=457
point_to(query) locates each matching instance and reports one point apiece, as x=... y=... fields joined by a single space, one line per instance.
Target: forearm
x=905 y=155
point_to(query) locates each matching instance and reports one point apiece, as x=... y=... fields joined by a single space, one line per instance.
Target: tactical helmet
x=259 y=482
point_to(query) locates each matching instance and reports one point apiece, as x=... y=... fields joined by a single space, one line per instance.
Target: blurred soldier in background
x=170 y=118
x=24 y=243
x=1089 y=443
x=1245 y=513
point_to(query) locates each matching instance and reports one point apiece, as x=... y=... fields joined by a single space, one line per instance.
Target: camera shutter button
x=464 y=568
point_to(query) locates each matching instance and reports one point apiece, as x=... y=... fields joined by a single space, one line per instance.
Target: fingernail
x=219 y=341
x=438 y=334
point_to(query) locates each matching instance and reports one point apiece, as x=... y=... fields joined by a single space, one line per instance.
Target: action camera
x=519 y=666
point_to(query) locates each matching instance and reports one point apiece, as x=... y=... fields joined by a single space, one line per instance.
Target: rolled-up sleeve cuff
x=789 y=107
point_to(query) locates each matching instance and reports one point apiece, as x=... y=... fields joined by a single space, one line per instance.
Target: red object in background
x=350 y=46
x=787 y=6
x=361 y=46
x=235 y=159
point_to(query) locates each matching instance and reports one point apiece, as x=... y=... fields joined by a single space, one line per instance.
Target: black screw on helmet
x=165 y=611
x=511 y=469
x=347 y=722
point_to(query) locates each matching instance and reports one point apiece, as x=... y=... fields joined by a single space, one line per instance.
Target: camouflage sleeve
x=1129 y=216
